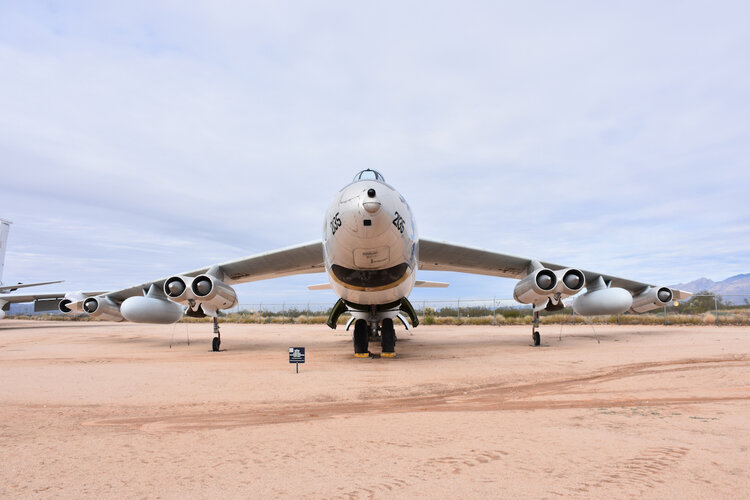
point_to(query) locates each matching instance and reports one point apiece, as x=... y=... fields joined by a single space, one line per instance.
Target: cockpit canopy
x=369 y=175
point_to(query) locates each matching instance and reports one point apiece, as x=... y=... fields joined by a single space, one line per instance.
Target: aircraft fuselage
x=370 y=244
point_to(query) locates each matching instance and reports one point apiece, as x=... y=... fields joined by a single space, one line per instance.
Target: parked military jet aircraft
x=371 y=253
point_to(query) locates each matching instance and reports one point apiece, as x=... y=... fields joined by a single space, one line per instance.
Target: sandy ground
x=111 y=410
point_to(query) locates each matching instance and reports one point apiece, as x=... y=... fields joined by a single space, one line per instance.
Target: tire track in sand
x=491 y=397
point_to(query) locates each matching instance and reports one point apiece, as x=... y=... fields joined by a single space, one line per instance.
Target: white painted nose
x=370 y=203
x=371 y=206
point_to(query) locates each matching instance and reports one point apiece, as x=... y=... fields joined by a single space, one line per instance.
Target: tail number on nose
x=399 y=223
x=335 y=223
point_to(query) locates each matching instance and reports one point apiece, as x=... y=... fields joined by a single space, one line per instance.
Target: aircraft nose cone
x=371 y=206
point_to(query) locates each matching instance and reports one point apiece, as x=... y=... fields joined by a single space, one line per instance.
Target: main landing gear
x=535 y=330
x=361 y=338
x=216 y=343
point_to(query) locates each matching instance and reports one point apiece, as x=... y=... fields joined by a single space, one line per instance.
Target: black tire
x=388 y=335
x=537 y=338
x=361 y=340
x=216 y=344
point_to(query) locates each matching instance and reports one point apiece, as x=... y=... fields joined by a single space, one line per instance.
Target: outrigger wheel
x=537 y=338
x=388 y=338
x=361 y=339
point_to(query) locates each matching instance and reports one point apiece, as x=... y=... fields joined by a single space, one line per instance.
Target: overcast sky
x=141 y=139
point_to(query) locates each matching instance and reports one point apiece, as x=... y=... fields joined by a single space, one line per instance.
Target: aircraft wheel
x=361 y=339
x=388 y=336
x=216 y=344
x=537 y=338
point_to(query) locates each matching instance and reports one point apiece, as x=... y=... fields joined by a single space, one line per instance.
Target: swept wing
x=441 y=256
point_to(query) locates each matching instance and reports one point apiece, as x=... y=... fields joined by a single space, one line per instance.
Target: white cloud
x=143 y=139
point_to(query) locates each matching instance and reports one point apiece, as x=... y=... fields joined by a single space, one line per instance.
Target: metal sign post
x=297 y=356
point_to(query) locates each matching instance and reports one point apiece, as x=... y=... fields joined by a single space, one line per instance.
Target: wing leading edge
x=441 y=256
x=300 y=259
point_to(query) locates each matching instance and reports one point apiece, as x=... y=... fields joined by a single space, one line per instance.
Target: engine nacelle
x=603 y=301
x=178 y=289
x=72 y=303
x=150 y=310
x=102 y=307
x=535 y=287
x=651 y=298
x=213 y=293
x=569 y=281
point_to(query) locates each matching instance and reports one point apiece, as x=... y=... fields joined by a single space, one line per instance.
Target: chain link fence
x=699 y=309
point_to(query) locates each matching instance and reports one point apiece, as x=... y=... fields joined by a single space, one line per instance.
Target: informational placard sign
x=297 y=356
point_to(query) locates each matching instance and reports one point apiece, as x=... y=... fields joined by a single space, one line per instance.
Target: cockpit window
x=370 y=175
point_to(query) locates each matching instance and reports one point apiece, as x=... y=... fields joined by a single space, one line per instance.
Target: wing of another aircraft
x=10 y=288
x=441 y=256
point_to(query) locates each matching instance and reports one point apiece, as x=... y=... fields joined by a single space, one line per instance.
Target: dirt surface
x=96 y=409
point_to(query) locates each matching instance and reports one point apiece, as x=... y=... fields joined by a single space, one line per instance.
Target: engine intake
x=535 y=287
x=178 y=289
x=102 y=307
x=569 y=281
x=213 y=293
x=651 y=298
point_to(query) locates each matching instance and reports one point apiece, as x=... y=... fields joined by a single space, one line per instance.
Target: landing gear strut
x=361 y=339
x=388 y=338
x=216 y=343
x=535 y=330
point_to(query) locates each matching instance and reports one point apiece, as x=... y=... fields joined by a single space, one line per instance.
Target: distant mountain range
x=733 y=290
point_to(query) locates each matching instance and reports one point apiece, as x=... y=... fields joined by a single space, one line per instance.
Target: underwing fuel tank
x=603 y=301
x=153 y=308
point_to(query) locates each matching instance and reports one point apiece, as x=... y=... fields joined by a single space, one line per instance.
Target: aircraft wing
x=300 y=259
x=441 y=256
x=10 y=288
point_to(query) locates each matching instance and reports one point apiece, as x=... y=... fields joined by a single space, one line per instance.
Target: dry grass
x=736 y=317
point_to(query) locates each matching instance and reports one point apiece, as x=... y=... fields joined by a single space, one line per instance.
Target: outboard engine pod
x=651 y=298
x=535 y=287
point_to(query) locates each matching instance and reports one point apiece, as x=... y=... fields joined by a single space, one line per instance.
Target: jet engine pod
x=177 y=288
x=72 y=303
x=603 y=301
x=535 y=287
x=651 y=298
x=569 y=281
x=102 y=307
x=213 y=293
x=150 y=310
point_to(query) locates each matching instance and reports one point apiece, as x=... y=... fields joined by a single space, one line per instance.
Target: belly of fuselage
x=370 y=244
